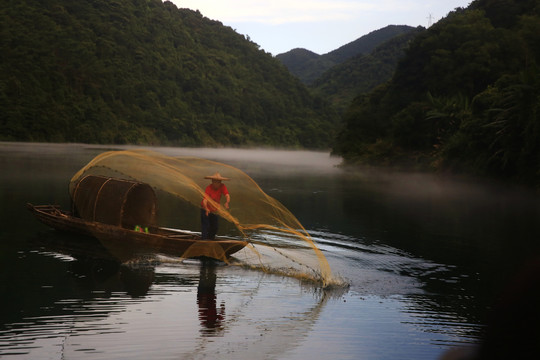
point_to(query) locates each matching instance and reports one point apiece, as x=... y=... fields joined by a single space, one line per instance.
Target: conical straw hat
x=216 y=176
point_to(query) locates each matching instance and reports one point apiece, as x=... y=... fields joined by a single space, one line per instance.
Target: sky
x=321 y=26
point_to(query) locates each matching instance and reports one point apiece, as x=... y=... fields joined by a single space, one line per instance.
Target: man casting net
x=277 y=241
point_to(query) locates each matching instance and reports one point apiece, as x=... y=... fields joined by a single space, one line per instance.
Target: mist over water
x=426 y=256
x=265 y=161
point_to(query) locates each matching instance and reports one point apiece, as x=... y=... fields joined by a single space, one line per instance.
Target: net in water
x=152 y=189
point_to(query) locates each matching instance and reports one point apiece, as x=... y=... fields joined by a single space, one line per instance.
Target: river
x=425 y=256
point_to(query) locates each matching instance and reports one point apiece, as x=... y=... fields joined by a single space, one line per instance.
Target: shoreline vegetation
x=146 y=72
x=464 y=97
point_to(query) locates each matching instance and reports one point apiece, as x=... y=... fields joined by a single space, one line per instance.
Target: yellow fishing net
x=276 y=241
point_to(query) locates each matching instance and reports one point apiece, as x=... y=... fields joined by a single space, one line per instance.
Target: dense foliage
x=465 y=97
x=144 y=71
x=308 y=66
x=362 y=73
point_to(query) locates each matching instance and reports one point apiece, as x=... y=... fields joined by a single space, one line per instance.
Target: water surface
x=425 y=256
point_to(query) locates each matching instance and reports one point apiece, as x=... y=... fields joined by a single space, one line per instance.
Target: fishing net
x=276 y=241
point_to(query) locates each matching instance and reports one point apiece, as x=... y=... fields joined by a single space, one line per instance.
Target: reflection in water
x=425 y=256
x=81 y=287
x=211 y=318
x=94 y=266
x=112 y=305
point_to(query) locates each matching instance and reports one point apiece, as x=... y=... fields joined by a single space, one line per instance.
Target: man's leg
x=205 y=225
x=213 y=228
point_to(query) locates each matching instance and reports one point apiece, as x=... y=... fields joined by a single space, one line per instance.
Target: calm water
x=425 y=257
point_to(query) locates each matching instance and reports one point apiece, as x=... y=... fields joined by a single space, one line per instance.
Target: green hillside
x=145 y=72
x=308 y=66
x=362 y=73
x=465 y=97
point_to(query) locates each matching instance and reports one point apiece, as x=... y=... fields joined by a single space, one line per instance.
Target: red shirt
x=215 y=194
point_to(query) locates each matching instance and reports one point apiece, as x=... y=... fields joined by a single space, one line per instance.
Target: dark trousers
x=209 y=225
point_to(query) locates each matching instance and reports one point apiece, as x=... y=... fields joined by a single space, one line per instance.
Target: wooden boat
x=158 y=240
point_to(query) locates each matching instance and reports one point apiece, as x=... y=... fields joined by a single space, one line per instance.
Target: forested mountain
x=144 y=71
x=362 y=73
x=308 y=66
x=465 y=97
x=296 y=61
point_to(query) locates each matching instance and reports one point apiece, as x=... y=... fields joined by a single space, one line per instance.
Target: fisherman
x=209 y=218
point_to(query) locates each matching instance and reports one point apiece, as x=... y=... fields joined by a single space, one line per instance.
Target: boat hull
x=120 y=240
